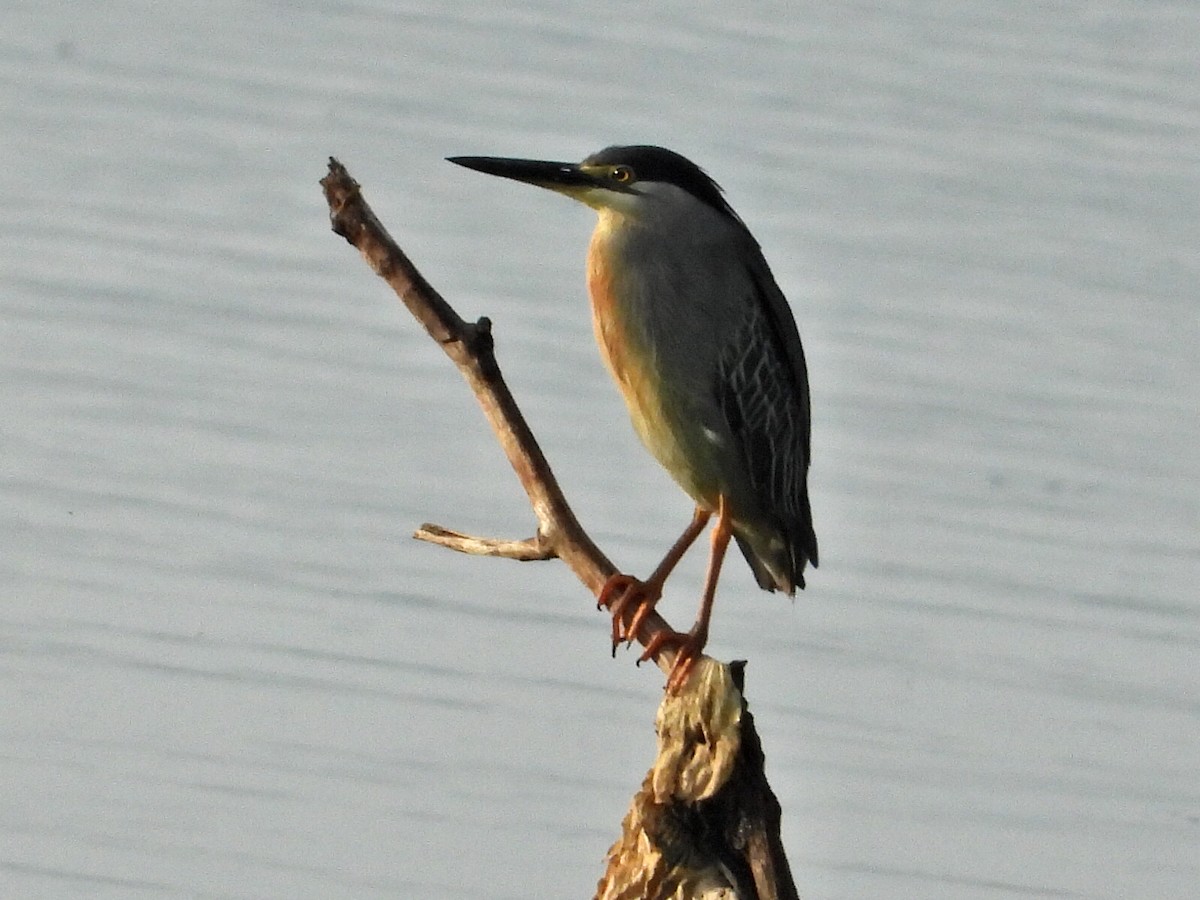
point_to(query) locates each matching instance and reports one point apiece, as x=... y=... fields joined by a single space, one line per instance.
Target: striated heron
x=704 y=349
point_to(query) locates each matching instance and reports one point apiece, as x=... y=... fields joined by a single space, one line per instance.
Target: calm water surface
x=227 y=672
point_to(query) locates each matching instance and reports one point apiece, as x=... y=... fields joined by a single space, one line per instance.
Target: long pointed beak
x=557 y=176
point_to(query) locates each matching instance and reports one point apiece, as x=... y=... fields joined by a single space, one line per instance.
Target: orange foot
x=623 y=595
x=688 y=647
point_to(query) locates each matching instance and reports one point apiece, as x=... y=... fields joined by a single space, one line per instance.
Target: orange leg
x=621 y=593
x=688 y=646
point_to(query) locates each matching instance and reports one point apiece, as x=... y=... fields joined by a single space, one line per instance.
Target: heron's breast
x=628 y=346
x=624 y=345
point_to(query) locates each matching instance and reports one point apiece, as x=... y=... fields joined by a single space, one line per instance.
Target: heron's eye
x=622 y=174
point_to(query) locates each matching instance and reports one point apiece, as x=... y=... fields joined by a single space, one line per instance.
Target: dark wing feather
x=763 y=393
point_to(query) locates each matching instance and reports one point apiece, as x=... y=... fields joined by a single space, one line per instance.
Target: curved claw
x=620 y=594
x=616 y=585
x=688 y=646
x=639 y=616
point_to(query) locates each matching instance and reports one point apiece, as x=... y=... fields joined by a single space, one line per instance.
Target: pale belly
x=688 y=450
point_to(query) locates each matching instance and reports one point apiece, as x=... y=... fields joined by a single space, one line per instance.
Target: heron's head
x=631 y=181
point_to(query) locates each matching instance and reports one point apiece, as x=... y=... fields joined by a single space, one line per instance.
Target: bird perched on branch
x=704 y=349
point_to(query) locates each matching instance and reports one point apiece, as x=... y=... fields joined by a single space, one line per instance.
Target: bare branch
x=469 y=346
x=533 y=548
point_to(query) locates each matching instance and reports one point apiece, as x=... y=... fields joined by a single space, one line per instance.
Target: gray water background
x=227 y=672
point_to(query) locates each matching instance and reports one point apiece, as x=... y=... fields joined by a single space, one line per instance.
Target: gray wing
x=763 y=393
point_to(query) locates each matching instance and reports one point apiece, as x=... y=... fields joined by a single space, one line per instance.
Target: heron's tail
x=778 y=559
